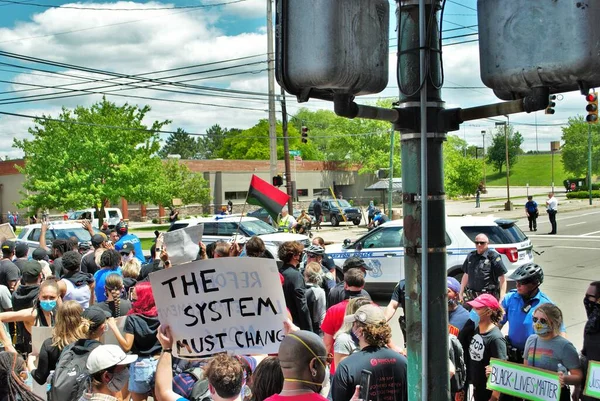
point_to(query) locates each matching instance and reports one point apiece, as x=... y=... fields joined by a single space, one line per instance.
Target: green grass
x=147 y=243
x=535 y=170
x=159 y=227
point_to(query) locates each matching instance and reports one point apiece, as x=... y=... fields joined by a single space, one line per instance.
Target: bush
x=582 y=194
x=585 y=187
x=155 y=221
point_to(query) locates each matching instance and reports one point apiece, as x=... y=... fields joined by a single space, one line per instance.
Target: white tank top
x=80 y=294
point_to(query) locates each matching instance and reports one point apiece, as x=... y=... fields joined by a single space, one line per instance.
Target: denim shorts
x=141 y=375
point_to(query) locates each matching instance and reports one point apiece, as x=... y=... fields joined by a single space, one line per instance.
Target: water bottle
x=562 y=369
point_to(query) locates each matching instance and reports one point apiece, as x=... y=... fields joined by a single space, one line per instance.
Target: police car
x=382 y=248
x=225 y=227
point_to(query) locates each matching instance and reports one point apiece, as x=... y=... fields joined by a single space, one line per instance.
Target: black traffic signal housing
x=551 y=105
x=592 y=108
x=304 y=134
x=277 y=181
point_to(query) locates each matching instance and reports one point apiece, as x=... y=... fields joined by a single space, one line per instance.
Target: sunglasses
x=541 y=320
x=591 y=297
x=480 y=242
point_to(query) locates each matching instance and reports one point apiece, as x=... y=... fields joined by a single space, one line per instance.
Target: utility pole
x=484 y=175
x=508 y=204
x=391 y=183
x=286 y=150
x=419 y=76
x=271 y=77
x=589 y=178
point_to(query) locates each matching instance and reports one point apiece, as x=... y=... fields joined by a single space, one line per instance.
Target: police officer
x=315 y=253
x=483 y=272
x=519 y=306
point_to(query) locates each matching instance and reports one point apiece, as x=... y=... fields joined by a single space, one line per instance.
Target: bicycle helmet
x=315 y=250
x=122 y=227
x=528 y=271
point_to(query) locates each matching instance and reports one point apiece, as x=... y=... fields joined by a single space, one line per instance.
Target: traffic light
x=304 y=134
x=277 y=181
x=592 y=108
x=551 y=105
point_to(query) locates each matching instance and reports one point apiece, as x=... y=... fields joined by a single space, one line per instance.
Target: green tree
x=180 y=143
x=211 y=144
x=496 y=153
x=462 y=174
x=574 y=152
x=176 y=181
x=92 y=156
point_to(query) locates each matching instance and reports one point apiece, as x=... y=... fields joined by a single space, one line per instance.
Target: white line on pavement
x=559 y=237
x=589 y=234
x=577 y=247
x=575 y=224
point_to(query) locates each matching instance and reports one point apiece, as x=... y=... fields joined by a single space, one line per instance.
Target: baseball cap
x=485 y=300
x=40 y=254
x=367 y=314
x=8 y=247
x=96 y=315
x=107 y=356
x=354 y=262
x=127 y=248
x=21 y=249
x=453 y=284
x=98 y=239
x=31 y=269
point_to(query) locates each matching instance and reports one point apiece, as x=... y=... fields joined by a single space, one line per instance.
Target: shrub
x=155 y=221
x=585 y=187
x=582 y=194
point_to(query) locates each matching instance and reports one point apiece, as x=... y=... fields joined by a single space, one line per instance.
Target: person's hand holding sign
x=164 y=336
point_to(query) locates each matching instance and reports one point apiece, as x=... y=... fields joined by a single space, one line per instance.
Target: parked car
x=225 y=227
x=30 y=234
x=112 y=214
x=334 y=211
x=382 y=248
x=263 y=215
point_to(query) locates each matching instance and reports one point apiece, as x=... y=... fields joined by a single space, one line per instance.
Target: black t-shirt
x=88 y=263
x=294 y=291
x=484 y=269
x=338 y=294
x=148 y=268
x=57 y=267
x=328 y=262
x=483 y=347
x=144 y=330
x=47 y=361
x=388 y=379
x=8 y=272
x=109 y=307
x=19 y=263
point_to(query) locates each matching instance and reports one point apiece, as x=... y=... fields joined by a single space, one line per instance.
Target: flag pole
x=241 y=216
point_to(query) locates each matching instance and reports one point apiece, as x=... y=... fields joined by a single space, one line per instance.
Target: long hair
x=144 y=303
x=553 y=314
x=267 y=379
x=114 y=285
x=11 y=385
x=67 y=328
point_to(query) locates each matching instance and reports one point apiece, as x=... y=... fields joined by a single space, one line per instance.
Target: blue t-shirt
x=137 y=246
x=531 y=206
x=100 y=277
x=458 y=317
x=519 y=315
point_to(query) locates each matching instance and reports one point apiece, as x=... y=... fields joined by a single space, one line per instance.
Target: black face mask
x=592 y=310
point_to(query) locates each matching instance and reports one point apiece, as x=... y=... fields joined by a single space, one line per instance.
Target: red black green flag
x=261 y=193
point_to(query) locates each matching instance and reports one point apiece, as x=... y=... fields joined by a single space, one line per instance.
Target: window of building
x=320 y=192
x=236 y=195
x=302 y=192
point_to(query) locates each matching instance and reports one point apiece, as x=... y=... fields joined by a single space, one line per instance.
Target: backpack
x=457 y=382
x=70 y=377
x=192 y=384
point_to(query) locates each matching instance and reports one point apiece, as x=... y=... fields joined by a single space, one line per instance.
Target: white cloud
x=245 y=8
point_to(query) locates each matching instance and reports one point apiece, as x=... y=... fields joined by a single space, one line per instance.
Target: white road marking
x=561 y=237
x=589 y=234
x=577 y=247
x=575 y=224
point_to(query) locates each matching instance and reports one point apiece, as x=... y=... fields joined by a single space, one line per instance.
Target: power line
x=200 y=6
x=462 y=5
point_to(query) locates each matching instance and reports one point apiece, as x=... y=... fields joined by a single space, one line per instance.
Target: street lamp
x=508 y=205
x=484 y=177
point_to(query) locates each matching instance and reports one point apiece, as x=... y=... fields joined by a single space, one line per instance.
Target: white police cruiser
x=382 y=248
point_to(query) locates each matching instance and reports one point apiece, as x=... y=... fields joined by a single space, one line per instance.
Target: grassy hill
x=533 y=169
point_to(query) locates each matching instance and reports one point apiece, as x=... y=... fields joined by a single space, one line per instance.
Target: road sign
x=295 y=153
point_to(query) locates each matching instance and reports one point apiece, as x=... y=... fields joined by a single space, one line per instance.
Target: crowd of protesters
x=333 y=333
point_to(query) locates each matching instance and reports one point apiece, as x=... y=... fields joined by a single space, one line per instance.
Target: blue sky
x=134 y=42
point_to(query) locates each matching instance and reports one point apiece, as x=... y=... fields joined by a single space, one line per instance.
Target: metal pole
x=552 y=151
x=271 y=79
x=286 y=151
x=536 y=136
x=508 y=204
x=484 y=175
x=590 y=161
x=391 y=183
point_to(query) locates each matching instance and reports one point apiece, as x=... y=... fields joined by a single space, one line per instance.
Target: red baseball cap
x=485 y=300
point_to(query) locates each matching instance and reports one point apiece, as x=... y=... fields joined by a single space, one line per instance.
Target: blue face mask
x=474 y=317
x=541 y=329
x=29 y=380
x=48 y=306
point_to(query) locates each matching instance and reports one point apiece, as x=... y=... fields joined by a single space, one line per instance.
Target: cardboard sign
x=182 y=245
x=592 y=382
x=223 y=304
x=38 y=336
x=109 y=336
x=523 y=381
x=6 y=232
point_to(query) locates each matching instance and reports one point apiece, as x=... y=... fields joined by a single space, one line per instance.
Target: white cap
x=106 y=356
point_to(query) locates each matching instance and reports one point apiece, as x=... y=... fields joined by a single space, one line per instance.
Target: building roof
x=384 y=184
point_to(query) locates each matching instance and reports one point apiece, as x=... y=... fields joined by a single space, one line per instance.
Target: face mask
x=48 y=306
x=474 y=317
x=541 y=329
x=126 y=258
x=590 y=307
x=452 y=302
x=325 y=382
x=354 y=337
x=28 y=380
x=118 y=381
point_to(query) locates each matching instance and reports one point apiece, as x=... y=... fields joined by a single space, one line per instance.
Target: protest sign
x=109 y=336
x=6 y=232
x=223 y=304
x=182 y=245
x=523 y=381
x=592 y=382
x=38 y=335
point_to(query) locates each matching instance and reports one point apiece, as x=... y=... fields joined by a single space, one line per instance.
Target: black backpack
x=71 y=377
x=457 y=382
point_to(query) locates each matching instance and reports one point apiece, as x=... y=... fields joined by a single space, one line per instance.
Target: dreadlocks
x=12 y=387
